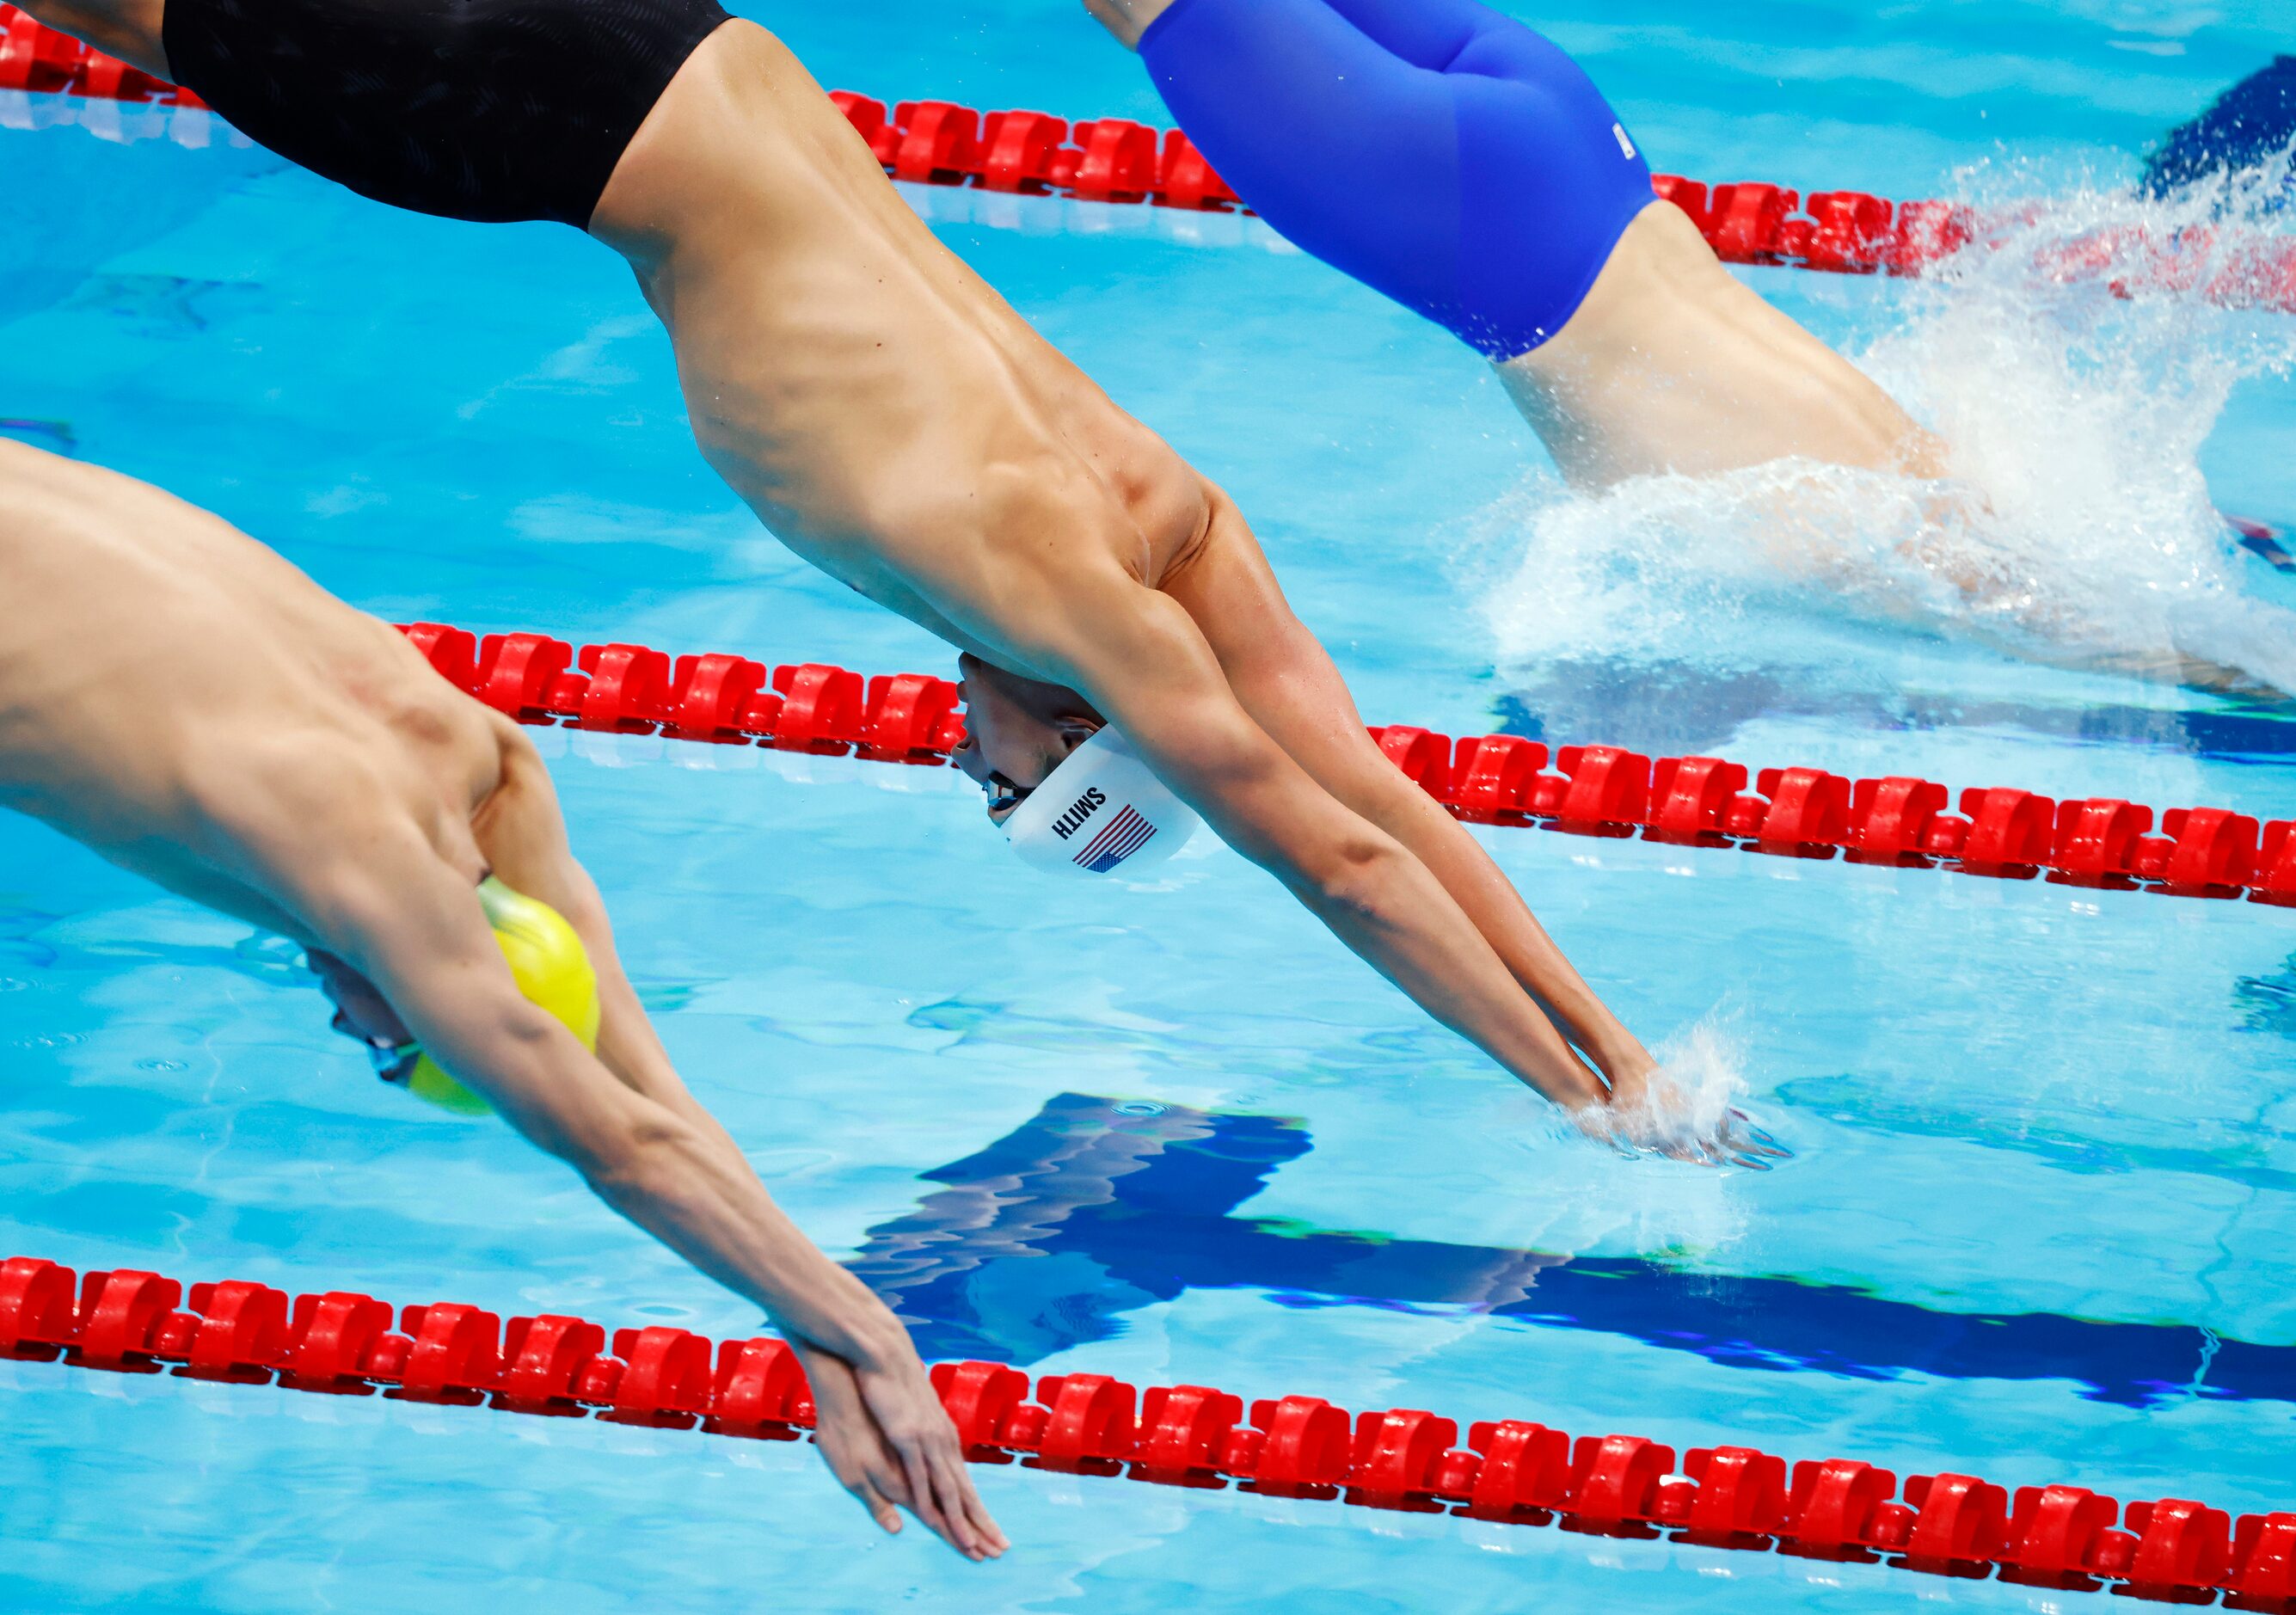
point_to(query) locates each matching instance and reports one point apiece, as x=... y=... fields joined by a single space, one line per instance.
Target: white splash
x=2076 y=528
x=1694 y=1109
x=1705 y=1067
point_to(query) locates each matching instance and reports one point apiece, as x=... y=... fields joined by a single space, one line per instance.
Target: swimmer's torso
x=161 y=673
x=884 y=410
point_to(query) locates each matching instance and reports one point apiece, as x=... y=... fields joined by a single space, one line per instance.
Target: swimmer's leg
x=1434 y=149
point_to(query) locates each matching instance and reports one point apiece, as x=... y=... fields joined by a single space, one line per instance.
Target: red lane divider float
x=1511 y=1472
x=1487 y=779
x=1114 y=160
x=42 y=61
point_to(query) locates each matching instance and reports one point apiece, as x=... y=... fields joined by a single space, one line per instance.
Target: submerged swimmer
x=196 y=710
x=898 y=425
x=2250 y=124
x=1459 y=162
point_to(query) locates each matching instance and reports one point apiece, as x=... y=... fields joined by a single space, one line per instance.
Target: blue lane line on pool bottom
x=1094 y=1208
x=1680 y=710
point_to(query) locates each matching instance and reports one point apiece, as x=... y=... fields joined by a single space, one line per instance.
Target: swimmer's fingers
x=850 y=1441
x=868 y=1483
x=1754 y=1146
x=1737 y=1142
x=983 y=1521
x=889 y=1441
x=960 y=1499
x=940 y=1491
x=925 y=1443
x=927 y=1503
x=881 y=1508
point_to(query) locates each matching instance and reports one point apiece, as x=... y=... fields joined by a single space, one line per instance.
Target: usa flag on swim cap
x=1122 y=836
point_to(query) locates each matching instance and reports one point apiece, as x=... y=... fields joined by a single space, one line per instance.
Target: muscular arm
x=522 y=834
x=408 y=922
x=1141 y=659
x=1283 y=677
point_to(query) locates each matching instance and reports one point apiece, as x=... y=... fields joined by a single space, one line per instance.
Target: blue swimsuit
x=1434 y=149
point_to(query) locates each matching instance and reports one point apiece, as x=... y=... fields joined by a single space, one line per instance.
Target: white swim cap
x=1099 y=811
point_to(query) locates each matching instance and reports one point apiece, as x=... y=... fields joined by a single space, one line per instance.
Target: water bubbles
x=2075 y=370
x=162 y=1065
x=1139 y=1107
x=2076 y=373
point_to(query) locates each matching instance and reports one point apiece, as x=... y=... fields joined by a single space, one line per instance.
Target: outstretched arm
x=1285 y=680
x=410 y=925
x=1137 y=655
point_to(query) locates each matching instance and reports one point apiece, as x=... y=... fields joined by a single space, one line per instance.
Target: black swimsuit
x=488 y=109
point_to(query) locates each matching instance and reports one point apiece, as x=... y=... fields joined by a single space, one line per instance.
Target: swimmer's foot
x=1128 y=19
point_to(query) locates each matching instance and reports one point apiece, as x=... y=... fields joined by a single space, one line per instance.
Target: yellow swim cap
x=553 y=970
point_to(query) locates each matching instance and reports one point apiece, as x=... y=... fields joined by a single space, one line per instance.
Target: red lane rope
x=1114 y=160
x=1487 y=779
x=1515 y=1471
x=1490 y=779
x=40 y=60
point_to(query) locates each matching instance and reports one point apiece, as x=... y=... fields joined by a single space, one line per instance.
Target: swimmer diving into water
x=1455 y=161
x=198 y=711
x=896 y=424
x=1459 y=162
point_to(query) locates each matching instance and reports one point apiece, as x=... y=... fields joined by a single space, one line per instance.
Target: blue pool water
x=2039 y=1223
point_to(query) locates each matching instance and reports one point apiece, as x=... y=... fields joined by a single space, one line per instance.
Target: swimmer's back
x=148 y=645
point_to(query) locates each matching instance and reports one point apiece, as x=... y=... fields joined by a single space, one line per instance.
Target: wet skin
x=821 y=334
x=188 y=705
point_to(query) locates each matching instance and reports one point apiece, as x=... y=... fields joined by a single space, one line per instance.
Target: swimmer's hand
x=889 y=1441
x=421 y=946
x=1655 y=1121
